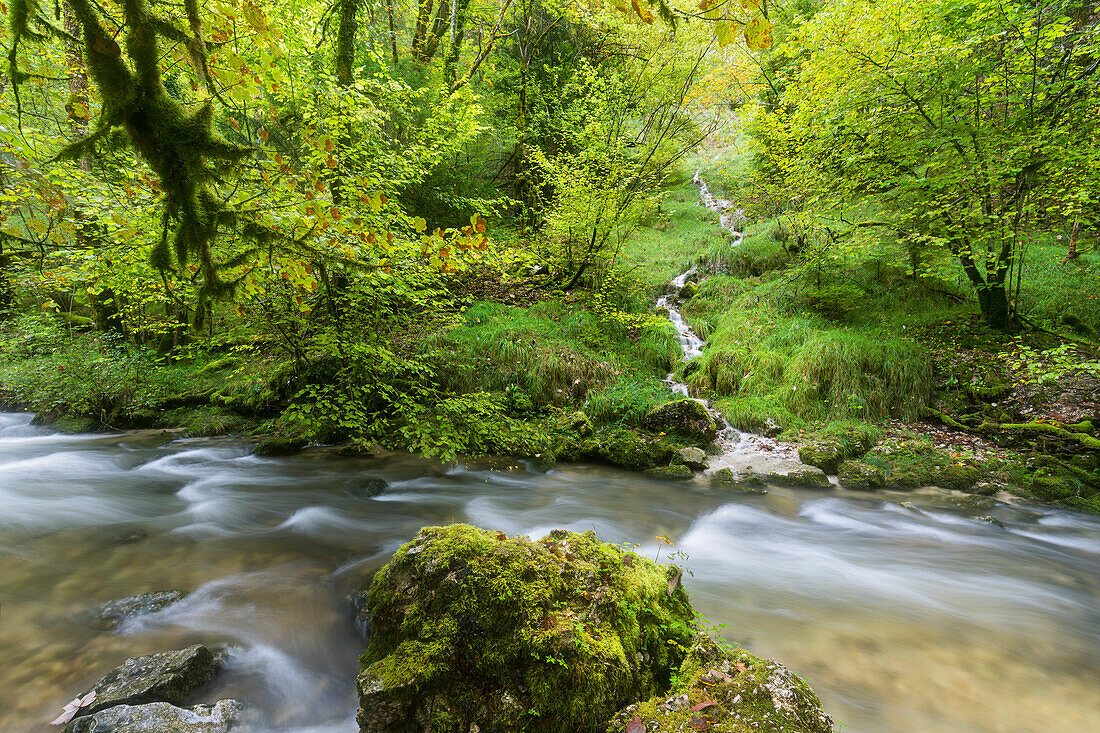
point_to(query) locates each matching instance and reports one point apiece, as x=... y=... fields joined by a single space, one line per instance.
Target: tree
x=955 y=118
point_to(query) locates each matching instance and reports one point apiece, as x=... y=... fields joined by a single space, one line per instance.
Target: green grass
x=560 y=355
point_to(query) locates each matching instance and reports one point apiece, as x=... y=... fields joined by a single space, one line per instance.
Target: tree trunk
x=77 y=105
x=345 y=41
x=458 y=27
x=393 y=33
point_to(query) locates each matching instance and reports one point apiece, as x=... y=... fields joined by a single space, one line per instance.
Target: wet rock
x=280 y=446
x=825 y=454
x=372 y=486
x=771 y=428
x=548 y=636
x=111 y=614
x=779 y=471
x=860 y=475
x=678 y=472
x=990 y=520
x=728 y=690
x=161 y=717
x=687 y=417
x=693 y=458
x=749 y=483
x=162 y=677
x=688 y=291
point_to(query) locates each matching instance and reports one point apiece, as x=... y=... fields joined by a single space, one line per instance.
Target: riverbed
x=906 y=611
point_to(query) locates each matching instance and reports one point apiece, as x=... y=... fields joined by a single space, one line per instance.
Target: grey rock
x=161 y=717
x=693 y=458
x=162 y=677
x=111 y=614
x=779 y=471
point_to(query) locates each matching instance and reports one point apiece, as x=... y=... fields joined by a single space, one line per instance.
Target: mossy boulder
x=688 y=291
x=470 y=627
x=685 y=417
x=958 y=476
x=825 y=454
x=728 y=690
x=628 y=449
x=678 y=472
x=860 y=475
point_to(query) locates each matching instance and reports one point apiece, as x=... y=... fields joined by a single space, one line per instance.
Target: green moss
x=825 y=454
x=860 y=475
x=958 y=476
x=729 y=690
x=470 y=626
x=628 y=449
x=678 y=472
x=279 y=446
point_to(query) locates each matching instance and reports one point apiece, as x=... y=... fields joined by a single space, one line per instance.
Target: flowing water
x=922 y=617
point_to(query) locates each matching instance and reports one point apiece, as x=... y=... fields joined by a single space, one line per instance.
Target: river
x=922 y=617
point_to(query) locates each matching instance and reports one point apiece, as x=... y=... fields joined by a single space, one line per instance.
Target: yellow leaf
x=758 y=33
x=726 y=32
x=420 y=224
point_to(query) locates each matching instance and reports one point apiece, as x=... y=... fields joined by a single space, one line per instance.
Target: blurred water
x=903 y=619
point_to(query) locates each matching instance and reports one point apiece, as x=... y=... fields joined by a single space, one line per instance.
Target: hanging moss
x=179 y=144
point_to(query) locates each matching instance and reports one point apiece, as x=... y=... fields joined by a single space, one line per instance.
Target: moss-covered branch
x=1082 y=433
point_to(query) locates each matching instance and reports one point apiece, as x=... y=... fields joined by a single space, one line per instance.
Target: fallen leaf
x=698 y=723
x=702 y=706
x=635 y=725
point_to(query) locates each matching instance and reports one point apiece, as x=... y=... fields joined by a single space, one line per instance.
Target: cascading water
x=730 y=216
x=736 y=446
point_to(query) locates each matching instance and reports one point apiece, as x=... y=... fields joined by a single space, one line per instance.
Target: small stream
x=915 y=618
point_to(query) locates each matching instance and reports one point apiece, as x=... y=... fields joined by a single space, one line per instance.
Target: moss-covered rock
x=579 y=423
x=679 y=472
x=860 y=475
x=728 y=690
x=471 y=627
x=279 y=446
x=688 y=291
x=686 y=417
x=628 y=449
x=958 y=476
x=824 y=454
